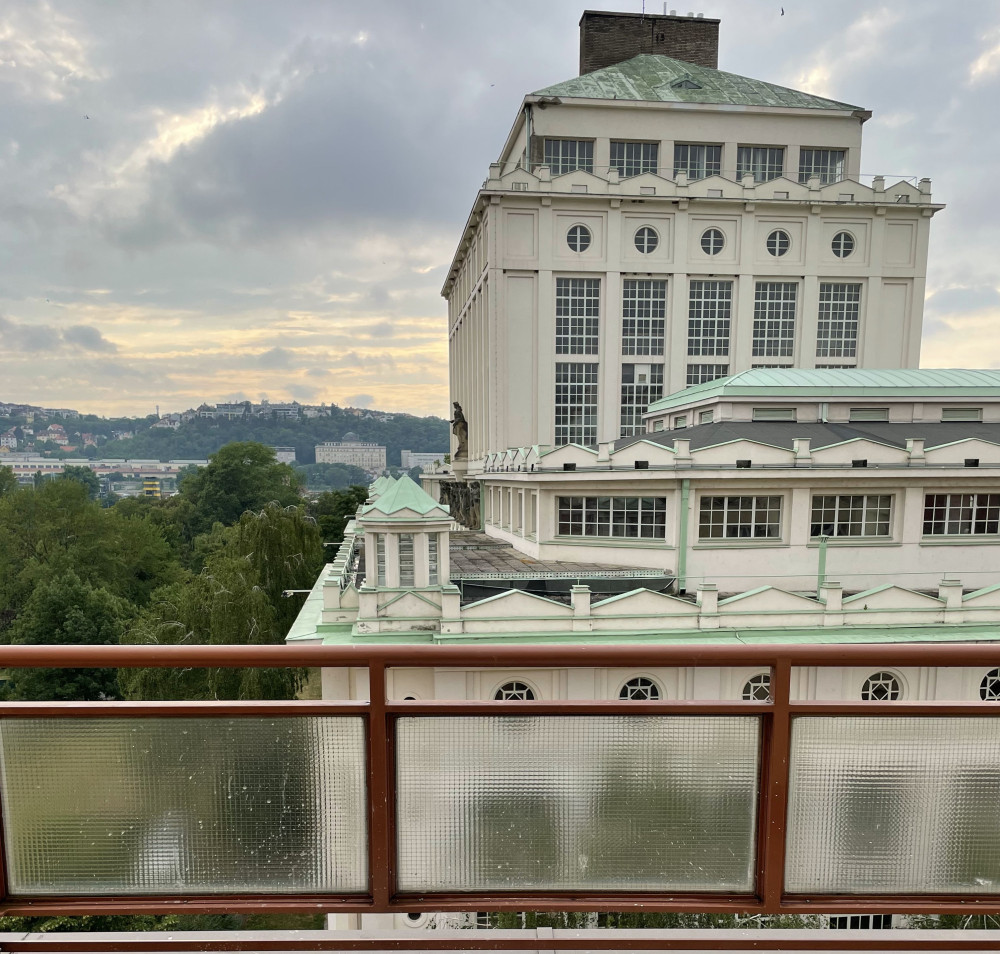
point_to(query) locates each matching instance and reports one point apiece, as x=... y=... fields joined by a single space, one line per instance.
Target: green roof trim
x=794 y=383
x=660 y=79
x=403 y=494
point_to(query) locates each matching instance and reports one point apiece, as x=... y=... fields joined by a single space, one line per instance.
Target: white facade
x=370 y=457
x=716 y=260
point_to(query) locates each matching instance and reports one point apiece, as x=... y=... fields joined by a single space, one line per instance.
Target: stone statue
x=460 y=428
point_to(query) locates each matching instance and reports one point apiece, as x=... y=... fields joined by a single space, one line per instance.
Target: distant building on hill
x=367 y=456
x=284 y=455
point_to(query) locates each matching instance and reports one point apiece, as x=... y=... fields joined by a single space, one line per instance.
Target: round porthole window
x=712 y=241
x=989 y=688
x=778 y=243
x=880 y=687
x=641 y=689
x=646 y=240
x=843 y=244
x=514 y=692
x=578 y=238
x=758 y=688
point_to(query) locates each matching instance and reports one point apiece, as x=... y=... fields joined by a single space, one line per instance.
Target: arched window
x=880 y=687
x=758 y=688
x=578 y=238
x=514 y=691
x=646 y=240
x=989 y=688
x=640 y=689
x=712 y=241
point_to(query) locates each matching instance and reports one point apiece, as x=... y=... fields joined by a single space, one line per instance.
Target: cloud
x=275 y=358
x=359 y=400
x=20 y=337
x=88 y=338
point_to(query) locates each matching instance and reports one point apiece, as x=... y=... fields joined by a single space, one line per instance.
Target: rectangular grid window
x=576 y=404
x=731 y=518
x=565 y=155
x=839 y=314
x=700 y=373
x=828 y=164
x=380 y=558
x=851 y=515
x=578 y=309
x=406 y=559
x=644 y=310
x=774 y=319
x=636 y=517
x=432 y=559
x=710 y=308
x=961 y=514
x=697 y=161
x=762 y=162
x=634 y=158
x=641 y=385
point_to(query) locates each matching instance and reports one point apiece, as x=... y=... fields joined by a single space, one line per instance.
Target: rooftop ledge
x=906 y=190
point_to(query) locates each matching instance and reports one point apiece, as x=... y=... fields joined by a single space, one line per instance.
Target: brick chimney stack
x=609 y=38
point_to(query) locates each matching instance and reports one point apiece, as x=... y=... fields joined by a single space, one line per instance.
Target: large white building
x=719 y=435
x=657 y=223
x=364 y=454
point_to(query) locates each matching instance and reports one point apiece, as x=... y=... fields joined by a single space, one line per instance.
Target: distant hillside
x=201 y=437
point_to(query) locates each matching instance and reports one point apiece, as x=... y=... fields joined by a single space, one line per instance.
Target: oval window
x=779 y=242
x=646 y=240
x=712 y=241
x=843 y=244
x=578 y=238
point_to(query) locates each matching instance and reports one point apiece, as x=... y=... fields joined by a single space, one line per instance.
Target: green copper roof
x=842 y=382
x=654 y=78
x=403 y=494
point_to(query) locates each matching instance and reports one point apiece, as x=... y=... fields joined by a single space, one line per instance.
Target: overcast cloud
x=210 y=200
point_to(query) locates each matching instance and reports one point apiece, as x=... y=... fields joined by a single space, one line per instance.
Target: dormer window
x=827 y=164
x=634 y=158
x=762 y=162
x=568 y=155
x=697 y=161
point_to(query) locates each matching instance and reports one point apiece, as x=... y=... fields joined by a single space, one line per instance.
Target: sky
x=234 y=199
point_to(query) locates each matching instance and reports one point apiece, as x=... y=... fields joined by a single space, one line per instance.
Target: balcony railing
x=558 y=805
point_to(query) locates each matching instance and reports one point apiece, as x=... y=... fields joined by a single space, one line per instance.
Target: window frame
x=775 y=317
x=710 y=317
x=871 y=507
x=640 y=683
x=578 y=315
x=581 y=235
x=838 y=319
x=648 y=230
x=586 y=516
x=640 y=165
x=635 y=397
x=644 y=308
x=984 y=509
x=734 y=504
x=706 y=167
x=777 y=251
x=713 y=241
x=562 y=164
x=579 y=418
x=768 y=160
x=809 y=166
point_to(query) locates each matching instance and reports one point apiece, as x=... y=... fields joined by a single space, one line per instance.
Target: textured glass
x=185 y=805
x=577 y=803
x=892 y=805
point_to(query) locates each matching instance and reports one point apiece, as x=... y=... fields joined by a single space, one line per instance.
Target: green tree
x=8 y=482
x=85 y=476
x=67 y=611
x=235 y=600
x=334 y=509
x=239 y=477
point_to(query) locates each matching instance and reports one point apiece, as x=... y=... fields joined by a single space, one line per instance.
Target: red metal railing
x=381 y=713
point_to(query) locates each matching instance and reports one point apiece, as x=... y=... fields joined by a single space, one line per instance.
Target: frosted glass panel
x=889 y=805
x=565 y=803
x=187 y=805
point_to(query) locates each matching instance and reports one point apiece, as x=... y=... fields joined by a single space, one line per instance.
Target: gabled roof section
x=655 y=78
x=404 y=494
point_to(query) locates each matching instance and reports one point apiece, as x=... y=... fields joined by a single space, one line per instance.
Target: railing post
x=776 y=787
x=380 y=835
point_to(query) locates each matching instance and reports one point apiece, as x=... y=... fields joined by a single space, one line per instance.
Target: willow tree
x=235 y=600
